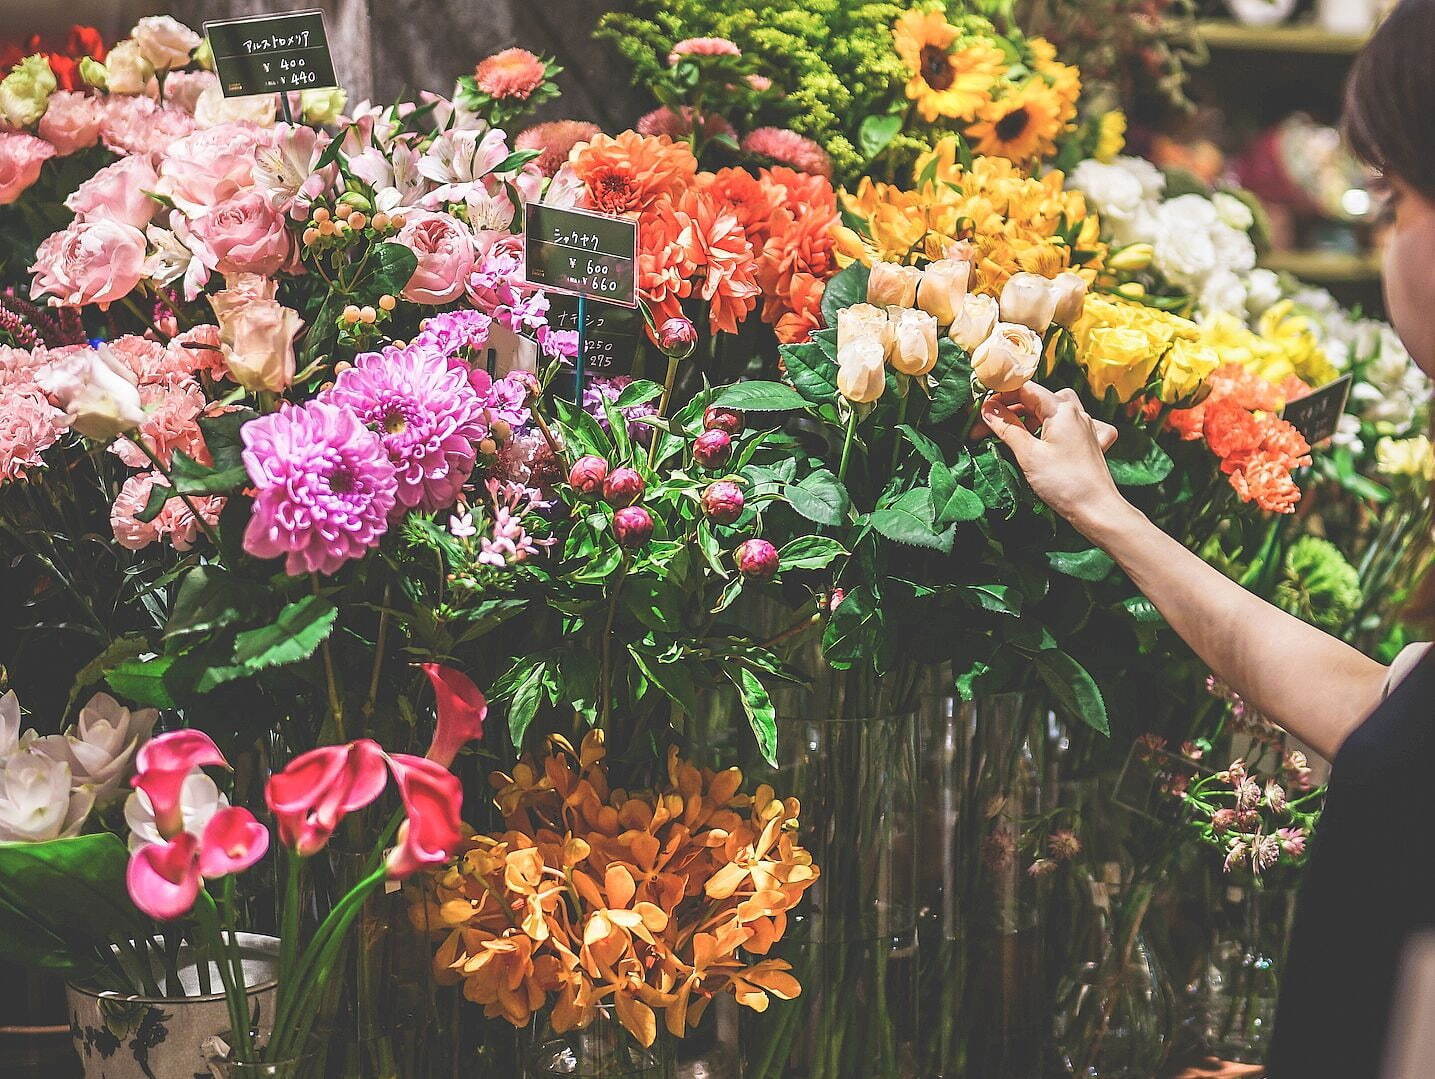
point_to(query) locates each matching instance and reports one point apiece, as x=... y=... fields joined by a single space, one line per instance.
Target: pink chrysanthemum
x=788 y=148
x=512 y=73
x=554 y=141
x=426 y=414
x=702 y=46
x=679 y=124
x=324 y=487
x=174 y=522
x=29 y=425
x=172 y=405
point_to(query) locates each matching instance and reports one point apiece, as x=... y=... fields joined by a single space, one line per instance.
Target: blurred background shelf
x=1303 y=38
x=1325 y=267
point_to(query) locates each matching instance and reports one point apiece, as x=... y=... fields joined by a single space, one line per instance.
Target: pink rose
x=256 y=334
x=212 y=164
x=444 y=247
x=118 y=192
x=21 y=157
x=246 y=234
x=72 y=121
x=89 y=262
x=137 y=125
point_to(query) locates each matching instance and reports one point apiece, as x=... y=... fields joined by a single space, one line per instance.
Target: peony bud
x=756 y=558
x=1028 y=299
x=632 y=527
x=891 y=285
x=862 y=370
x=677 y=337
x=717 y=418
x=1070 y=292
x=1007 y=359
x=587 y=475
x=713 y=449
x=723 y=502
x=944 y=284
x=975 y=321
x=863 y=320
x=623 y=487
x=914 y=342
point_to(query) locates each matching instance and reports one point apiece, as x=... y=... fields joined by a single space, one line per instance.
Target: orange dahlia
x=715 y=243
x=754 y=201
x=804 y=309
x=801 y=243
x=629 y=172
x=664 y=269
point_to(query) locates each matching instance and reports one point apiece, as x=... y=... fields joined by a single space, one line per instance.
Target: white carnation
x=1233 y=211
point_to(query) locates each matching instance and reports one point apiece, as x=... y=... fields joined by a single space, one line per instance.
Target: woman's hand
x=1060 y=448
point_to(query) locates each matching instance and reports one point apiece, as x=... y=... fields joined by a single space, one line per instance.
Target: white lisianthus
x=1116 y=193
x=1233 y=211
x=1234 y=250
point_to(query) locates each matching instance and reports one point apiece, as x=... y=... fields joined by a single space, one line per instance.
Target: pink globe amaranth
x=427 y=415
x=717 y=418
x=324 y=487
x=713 y=449
x=623 y=487
x=756 y=558
x=723 y=502
x=632 y=527
x=588 y=475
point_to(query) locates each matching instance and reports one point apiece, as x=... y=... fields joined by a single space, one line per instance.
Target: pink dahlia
x=426 y=414
x=679 y=124
x=554 y=141
x=512 y=73
x=702 y=46
x=175 y=521
x=787 y=147
x=29 y=425
x=324 y=487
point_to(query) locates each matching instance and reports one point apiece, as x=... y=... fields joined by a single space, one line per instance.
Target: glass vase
x=602 y=1050
x=1242 y=977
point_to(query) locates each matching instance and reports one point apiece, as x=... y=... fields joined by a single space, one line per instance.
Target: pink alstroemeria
x=233 y=841
x=312 y=795
x=462 y=709
x=161 y=767
x=163 y=878
x=431 y=831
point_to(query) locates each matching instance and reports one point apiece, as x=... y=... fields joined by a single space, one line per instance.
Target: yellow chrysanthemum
x=1110 y=136
x=945 y=82
x=1021 y=125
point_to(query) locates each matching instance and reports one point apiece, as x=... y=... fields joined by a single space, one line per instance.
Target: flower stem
x=605 y=670
x=336 y=705
x=847 y=444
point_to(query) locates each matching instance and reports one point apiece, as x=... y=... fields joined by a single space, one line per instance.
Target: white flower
x=36 y=799
x=461 y=527
x=1115 y=192
x=1151 y=179
x=1234 y=250
x=1263 y=288
x=458 y=161
x=11 y=740
x=100 y=746
x=178 y=254
x=199 y=800
x=164 y=41
x=212 y=108
x=286 y=172
x=1232 y=211
x=1223 y=291
x=1182 y=247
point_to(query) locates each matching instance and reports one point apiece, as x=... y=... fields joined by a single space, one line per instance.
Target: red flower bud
x=756 y=558
x=632 y=526
x=677 y=337
x=587 y=475
x=716 y=418
x=623 y=487
x=713 y=449
x=723 y=502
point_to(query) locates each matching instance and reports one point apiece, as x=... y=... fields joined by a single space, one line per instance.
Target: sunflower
x=955 y=83
x=1065 y=79
x=1020 y=126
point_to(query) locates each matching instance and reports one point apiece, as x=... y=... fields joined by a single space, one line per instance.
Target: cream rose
x=913 y=348
x=256 y=336
x=861 y=370
x=164 y=42
x=974 y=321
x=943 y=285
x=96 y=389
x=1028 y=299
x=891 y=285
x=1007 y=359
x=1070 y=292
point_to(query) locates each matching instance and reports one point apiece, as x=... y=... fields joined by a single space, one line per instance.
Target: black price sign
x=581 y=253
x=610 y=333
x=1317 y=414
x=270 y=54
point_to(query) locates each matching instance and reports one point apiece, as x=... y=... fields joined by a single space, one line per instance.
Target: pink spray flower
x=462 y=709
x=788 y=148
x=316 y=790
x=554 y=141
x=702 y=46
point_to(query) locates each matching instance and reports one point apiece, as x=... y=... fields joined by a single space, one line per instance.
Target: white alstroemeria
x=38 y=801
x=178 y=253
x=288 y=172
x=199 y=800
x=100 y=747
x=458 y=161
x=393 y=174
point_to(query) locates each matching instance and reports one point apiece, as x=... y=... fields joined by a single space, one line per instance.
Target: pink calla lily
x=313 y=794
x=161 y=767
x=462 y=709
x=232 y=842
x=432 y=799
x=163 y=878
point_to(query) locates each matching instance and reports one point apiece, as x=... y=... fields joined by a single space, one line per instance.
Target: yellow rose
x=942 y=287
x=913 y=348
x=1185 y=370
x=1007 y=359
x=25 y=92
x=1119 y=358
x=891 y=285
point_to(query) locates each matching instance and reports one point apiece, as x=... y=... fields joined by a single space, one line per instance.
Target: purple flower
x=558 y=344
x=454 y=332
x=426 y=414
x=597 y=390
x=507 y=399
x=325 y=487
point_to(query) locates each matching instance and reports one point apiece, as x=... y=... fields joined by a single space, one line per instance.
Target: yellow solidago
x=1110 y=136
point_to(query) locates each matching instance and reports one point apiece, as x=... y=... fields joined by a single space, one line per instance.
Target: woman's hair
x=1389 y=122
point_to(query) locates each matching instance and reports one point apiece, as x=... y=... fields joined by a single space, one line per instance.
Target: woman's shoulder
x=1408 y=659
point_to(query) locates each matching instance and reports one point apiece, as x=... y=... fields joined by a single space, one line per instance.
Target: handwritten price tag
x=581 y=253
x=268 y=54
x=610 y=336
x=1317 y=414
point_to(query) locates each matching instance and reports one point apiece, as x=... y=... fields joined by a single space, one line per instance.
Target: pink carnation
x=171 y=408
x=196 y=351
x=89 y=262
x=788 y=148
x=554 y=141
x=324 y=487
x=426 y=414
x=134 y=124
x=512 y=73
x=21 y=158
x=702 y=46
x=118 y=192
x=679 y=125
x=72 y=121
x=144 y=357
x=29 y=425
x=246 y=234
x=211 y=165
x=18 y=365
x=175 y=521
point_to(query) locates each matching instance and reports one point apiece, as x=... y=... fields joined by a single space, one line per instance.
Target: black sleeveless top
x=1367 y=887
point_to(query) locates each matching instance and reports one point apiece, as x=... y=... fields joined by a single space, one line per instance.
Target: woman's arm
x=1315 y=686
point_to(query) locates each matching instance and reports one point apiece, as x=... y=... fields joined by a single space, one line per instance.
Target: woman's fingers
x=1105 y=434
x=1003 y=422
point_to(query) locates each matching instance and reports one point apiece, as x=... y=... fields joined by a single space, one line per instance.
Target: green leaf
x=953 y=374
x=222 y=437
x=854 y=630
x=637 y=393
x=393 y=265
x=128 y=647
x=761 y=397
x=582 y=430
x=812 y=369
x=993 y=484
x=146 y=682
x=1139 y=465
x=1074 y=689
x=1142 y=610
x=515 y=161
x=997 y=598
x=525 y=698
x=192 y=478
x=1092 y=564
x=964 y=505
x=809 y=552
x=656 y=602
x=760 y=713
x=208 y=599
x=159 y=494
x=847 y=288
x=292 y=636
x=909 y=520
x=876 y=133
x=674 y=679
x=820 y=498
